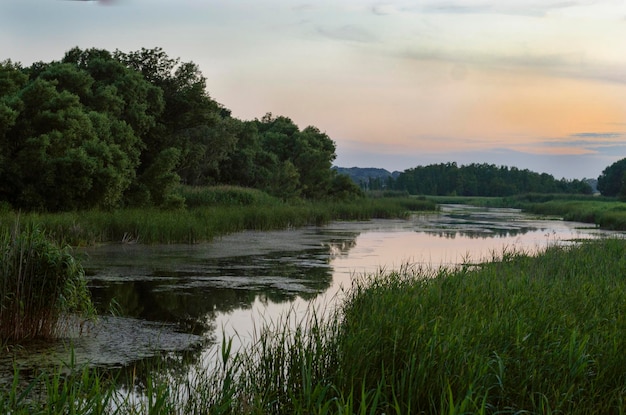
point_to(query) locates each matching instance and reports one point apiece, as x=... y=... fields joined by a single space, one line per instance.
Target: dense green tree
x=191 y=121
x=72 y=138
x=102 y=129
x=343 y=188
x=612 y=180
x=481 y=180
x=310 y=151
x=249 y=164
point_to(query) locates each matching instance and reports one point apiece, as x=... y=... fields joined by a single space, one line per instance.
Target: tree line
x=447 y=179
x=101 y=129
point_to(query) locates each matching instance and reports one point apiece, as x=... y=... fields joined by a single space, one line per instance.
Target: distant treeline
x=446 y=179
x=100 y=129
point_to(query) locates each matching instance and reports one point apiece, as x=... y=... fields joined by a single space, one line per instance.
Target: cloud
x=350 y=32
x=564 y=64
x=385 y=9
x=598 y=135
x=508 y=7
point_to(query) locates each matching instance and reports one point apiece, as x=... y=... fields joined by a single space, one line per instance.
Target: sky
x=535 y=84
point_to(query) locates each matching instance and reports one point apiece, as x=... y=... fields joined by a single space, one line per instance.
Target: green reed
x=214 y=212
x=604 y=213
x=518 y=334
x=39 y=283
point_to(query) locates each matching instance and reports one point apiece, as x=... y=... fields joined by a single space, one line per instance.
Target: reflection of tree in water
x=192 y=297
x=478 y=233
x=192 y=291
x=475 y=225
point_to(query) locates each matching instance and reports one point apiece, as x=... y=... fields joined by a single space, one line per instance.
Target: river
x=177 y=302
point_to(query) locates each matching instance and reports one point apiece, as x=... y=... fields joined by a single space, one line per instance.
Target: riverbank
x=209 y=213
x=603 y=212
x=540 y=334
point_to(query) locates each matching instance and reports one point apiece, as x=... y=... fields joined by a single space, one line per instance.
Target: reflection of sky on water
x=193 y=294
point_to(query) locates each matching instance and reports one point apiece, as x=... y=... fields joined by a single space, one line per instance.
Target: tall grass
x=39 y=282
x=212 y=212
x=604 y=213
x=516 y=335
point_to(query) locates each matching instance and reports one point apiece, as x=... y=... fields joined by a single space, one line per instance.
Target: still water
x=174 y=300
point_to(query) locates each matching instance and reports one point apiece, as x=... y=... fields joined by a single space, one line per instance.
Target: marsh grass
x=519 y=334
x=39 y=282
x=604 y=213
x=212 y=212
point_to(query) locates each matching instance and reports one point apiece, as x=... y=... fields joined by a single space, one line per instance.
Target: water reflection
x=478 y=223
x=174 y=302
x=160 y=290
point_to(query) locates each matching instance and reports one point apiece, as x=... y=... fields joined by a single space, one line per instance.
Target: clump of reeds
x=39 y=282
x=211 y=212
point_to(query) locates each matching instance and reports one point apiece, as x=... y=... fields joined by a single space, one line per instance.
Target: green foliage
x=606 y=214
x=160 y=179
x=72 y=142
x=611 y=182
x=481 y=180
x=224 y=196
x=200 y=128
x=39 y=283
x=212 y=211
x=343 y=188
x=302 y=159
x=518 y=334
x=104 y=130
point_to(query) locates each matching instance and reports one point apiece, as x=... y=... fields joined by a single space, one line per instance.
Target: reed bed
x=212 y=212
x=520 y=334
x=607 y=214
x=39 y=283
x=517 y=335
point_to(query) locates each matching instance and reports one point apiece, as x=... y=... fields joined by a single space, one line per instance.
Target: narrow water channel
x=177 y=301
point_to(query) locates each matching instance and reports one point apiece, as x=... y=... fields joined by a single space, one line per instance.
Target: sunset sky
x=536 y=84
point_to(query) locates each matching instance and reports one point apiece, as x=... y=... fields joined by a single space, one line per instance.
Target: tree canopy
x=612 y=181
x=446 y=179
x=101 y=130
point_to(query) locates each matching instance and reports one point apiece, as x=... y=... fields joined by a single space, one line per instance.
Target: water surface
x=179 y=300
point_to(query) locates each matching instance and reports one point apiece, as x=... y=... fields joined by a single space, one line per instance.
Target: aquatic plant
x=39 y=282
x=214 y=212
x=519 y=334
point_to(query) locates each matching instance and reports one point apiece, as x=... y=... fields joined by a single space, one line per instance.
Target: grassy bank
x=606 y=213
x=520 y=334
x=210 y=212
